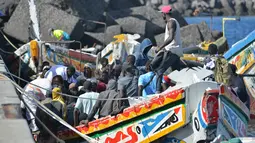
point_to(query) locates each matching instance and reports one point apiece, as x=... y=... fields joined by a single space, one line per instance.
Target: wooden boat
x=168 y=115
x=56 y=53
x=242 y=54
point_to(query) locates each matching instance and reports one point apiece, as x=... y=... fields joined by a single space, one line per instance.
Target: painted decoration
x=129 y=113
x=249 y=83
x=244 y=59
x=225 y=92
x=150 y=128
x=62 y=56
x=234 y=122
x=205 y=117
x=233 y=113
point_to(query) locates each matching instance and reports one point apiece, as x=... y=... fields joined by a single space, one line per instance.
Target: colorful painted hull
x=63 y=56
x=233 y=114
x=240 y=45
x=250 y=82
x=139 y=118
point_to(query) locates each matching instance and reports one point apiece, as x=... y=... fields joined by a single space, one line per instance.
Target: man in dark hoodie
x=104 y=107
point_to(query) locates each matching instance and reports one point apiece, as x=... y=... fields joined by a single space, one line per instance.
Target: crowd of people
x=93 y=92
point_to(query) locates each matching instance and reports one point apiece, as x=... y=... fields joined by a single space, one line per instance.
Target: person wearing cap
x=169 y=53
x=85 y=103
x=60 y=35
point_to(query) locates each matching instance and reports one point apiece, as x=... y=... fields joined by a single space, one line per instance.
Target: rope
x=6 y=52
x=49 y=112
x=44 y=126
x=67 y=95
x=8 y=40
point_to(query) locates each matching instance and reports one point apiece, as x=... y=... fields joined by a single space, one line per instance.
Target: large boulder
x=7 y=7
x=145 y=13
x=205 y=32
x=190 y=35
x=101 y=37
x=52 y=17
x=160 y=39
x=49 y=17
x=123 y=4
x=84 y=9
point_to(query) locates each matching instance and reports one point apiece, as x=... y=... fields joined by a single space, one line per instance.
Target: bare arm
x=171 y=25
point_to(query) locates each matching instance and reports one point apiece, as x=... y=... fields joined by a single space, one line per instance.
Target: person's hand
x=84 y=122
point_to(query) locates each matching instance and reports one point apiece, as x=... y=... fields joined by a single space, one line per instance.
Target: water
x=234 y=30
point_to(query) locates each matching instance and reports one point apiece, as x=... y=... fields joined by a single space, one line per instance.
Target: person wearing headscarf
x=58 y=102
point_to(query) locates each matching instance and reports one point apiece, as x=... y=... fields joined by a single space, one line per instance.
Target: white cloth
x=38 y=93
x=176 y=45
x=86 y=105
x=59 y=70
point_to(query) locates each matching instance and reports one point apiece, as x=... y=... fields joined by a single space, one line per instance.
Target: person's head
x=116 y=71
x=112 y=85
x=131 y=60
x=234 y=69
x=166 y=12
x=57 y=81
x=70 y=71
x=45 y=63
x=51 y=30
x=148 y=66
x=104 y=62
x=127 y=70
x=44 y=70
x=212 y=49
x=87 y=86
x=87 y=70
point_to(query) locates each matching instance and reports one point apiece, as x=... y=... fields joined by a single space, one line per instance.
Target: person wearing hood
x=141 y=55
x=104 y=107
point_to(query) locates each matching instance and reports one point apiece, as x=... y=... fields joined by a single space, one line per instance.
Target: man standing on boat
x=59 y=34
x=168 y=54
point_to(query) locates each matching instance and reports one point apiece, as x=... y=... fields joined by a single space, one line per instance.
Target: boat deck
x=13 y=128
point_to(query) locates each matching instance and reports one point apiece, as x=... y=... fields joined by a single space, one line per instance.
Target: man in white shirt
x=169 y=53
x=84 y=104
x=39 y=94
x=67 y=73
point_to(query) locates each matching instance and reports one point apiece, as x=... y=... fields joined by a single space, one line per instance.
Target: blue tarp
x=240 y=45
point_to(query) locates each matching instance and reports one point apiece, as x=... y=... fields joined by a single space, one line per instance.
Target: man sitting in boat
x=238 y=86
x=169 y=53
x=85 y=103
x=147 y=82
x=45 y=67
x=60 y=35
x=209 y=61
x=67 y=74
x=56 y=104
x=104 y=107
x=34 y=89
x=87 y=75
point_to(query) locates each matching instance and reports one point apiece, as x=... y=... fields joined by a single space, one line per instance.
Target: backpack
x=222 y=71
